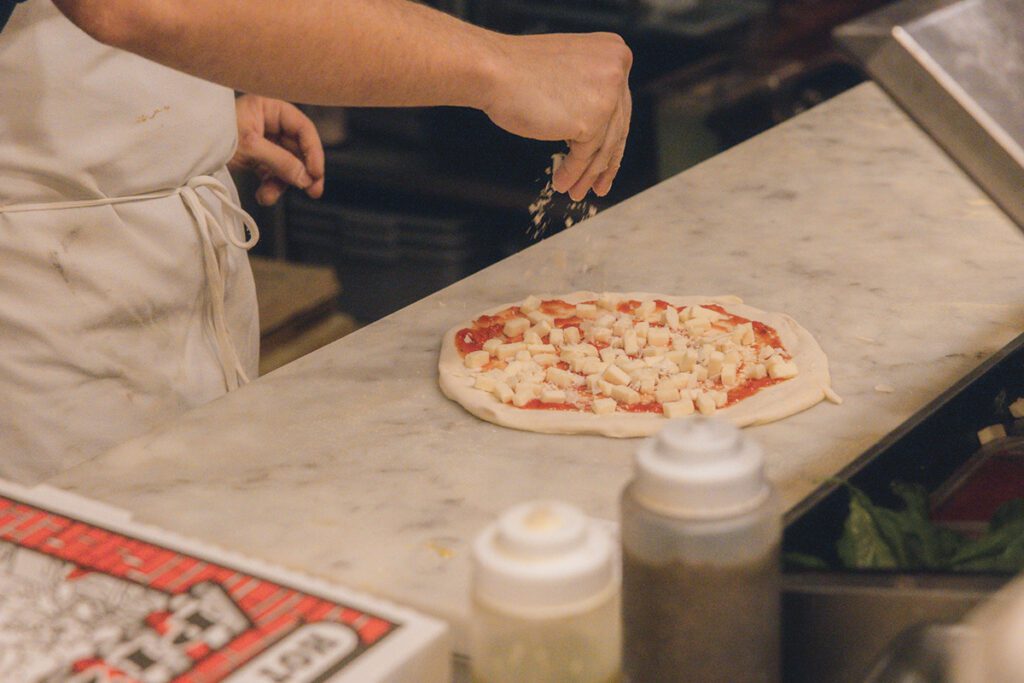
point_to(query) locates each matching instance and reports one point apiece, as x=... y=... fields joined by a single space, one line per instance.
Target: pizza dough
x=800 y=374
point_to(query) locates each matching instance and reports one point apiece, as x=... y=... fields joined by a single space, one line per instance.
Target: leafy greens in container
x=876 y=537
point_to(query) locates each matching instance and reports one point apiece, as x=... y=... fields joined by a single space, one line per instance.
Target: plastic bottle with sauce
x=545 y=598
x=701 y=530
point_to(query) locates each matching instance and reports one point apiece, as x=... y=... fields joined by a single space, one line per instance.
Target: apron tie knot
x=214 y=236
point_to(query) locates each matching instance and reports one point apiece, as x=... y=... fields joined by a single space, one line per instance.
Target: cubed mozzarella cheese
x=491 y=345
x=732 y=356
x=630 y=364
x=625 y=395
x=542 y=328
x=667 y=367
x=552 y=396
x=530 y=303
x=615 y=375
x=586 y=311
x=485 y=383
x=705 y=404
x=991 y=433
x=594 y=383
x=540 y=348
x=577 y=363
x=545 y=359
x=646 y=308
x=523 y=355
x=603 y=406
x=609 y=301
x=680 y=408
x=560 y=378
x=600 y=335
x=658 y=336
x=536 y=317
x=516 y=327
x=629 y=343
x=524 y=393
x=593 y=365
x=503 y=392
x=647 y=385
x=729 y=377
x=666 y=393
x=697 y=325
x=556 y=336
x=714 y=363
x=621 y=326
x=743 y=333
x=758 y=371
x=653 y=352
x=588 y=349
x=720 y=398
x=700 y=372
x=1017 y=408
x=706 y=313
x=670 y=316
x=684 y=380
x=608 y=354
x=642 y=329
x=605 y=320
x=476 y=359
x=531 y=338
x=782 y=369
x=572 y=335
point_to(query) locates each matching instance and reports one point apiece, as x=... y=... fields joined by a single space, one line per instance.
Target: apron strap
x=214 y=237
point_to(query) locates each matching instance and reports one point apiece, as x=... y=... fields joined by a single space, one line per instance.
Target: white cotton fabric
x=107 y=324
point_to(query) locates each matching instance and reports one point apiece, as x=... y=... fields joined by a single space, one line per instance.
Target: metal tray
x=836 y=622
x=955 y=66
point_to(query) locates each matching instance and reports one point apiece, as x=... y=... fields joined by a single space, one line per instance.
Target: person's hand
x=572 y=87
x=280 y=144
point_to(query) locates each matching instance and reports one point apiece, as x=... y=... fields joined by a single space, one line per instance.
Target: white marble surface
x=351 y=465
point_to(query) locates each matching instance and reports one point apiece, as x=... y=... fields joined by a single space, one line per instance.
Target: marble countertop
x=349 y=463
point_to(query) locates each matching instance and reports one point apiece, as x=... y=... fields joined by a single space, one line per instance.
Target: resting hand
x=571 y=87
x=280 y=144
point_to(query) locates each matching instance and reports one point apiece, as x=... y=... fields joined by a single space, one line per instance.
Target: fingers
x=603 y=184
x=575 y=163
x=601 y=159
x=270 y=191
x=279 y=162
x=290 y=125
x=594 y=163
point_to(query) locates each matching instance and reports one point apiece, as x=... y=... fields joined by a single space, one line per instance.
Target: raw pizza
x=622 y=364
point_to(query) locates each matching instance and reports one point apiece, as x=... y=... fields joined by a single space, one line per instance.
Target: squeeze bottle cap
x=700 y=467
x=544 y=557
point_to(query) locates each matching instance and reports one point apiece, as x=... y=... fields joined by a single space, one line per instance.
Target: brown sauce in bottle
x=701 y=623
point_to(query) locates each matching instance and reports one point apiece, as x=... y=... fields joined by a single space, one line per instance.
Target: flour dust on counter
x=620 y=364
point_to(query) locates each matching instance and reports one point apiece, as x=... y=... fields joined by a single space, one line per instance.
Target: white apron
x=125 y=290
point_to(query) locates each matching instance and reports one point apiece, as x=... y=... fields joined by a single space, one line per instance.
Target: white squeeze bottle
x=545 y=598
x=700 y=570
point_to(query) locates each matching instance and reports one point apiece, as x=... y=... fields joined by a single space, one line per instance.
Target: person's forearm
x=337 y=52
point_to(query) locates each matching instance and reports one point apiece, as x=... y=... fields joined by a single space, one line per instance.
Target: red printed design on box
x=85 y=604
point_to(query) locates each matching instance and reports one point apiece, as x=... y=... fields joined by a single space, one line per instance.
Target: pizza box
x=88 y=595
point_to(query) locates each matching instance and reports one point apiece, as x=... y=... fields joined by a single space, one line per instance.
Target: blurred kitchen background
x=416 y=199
